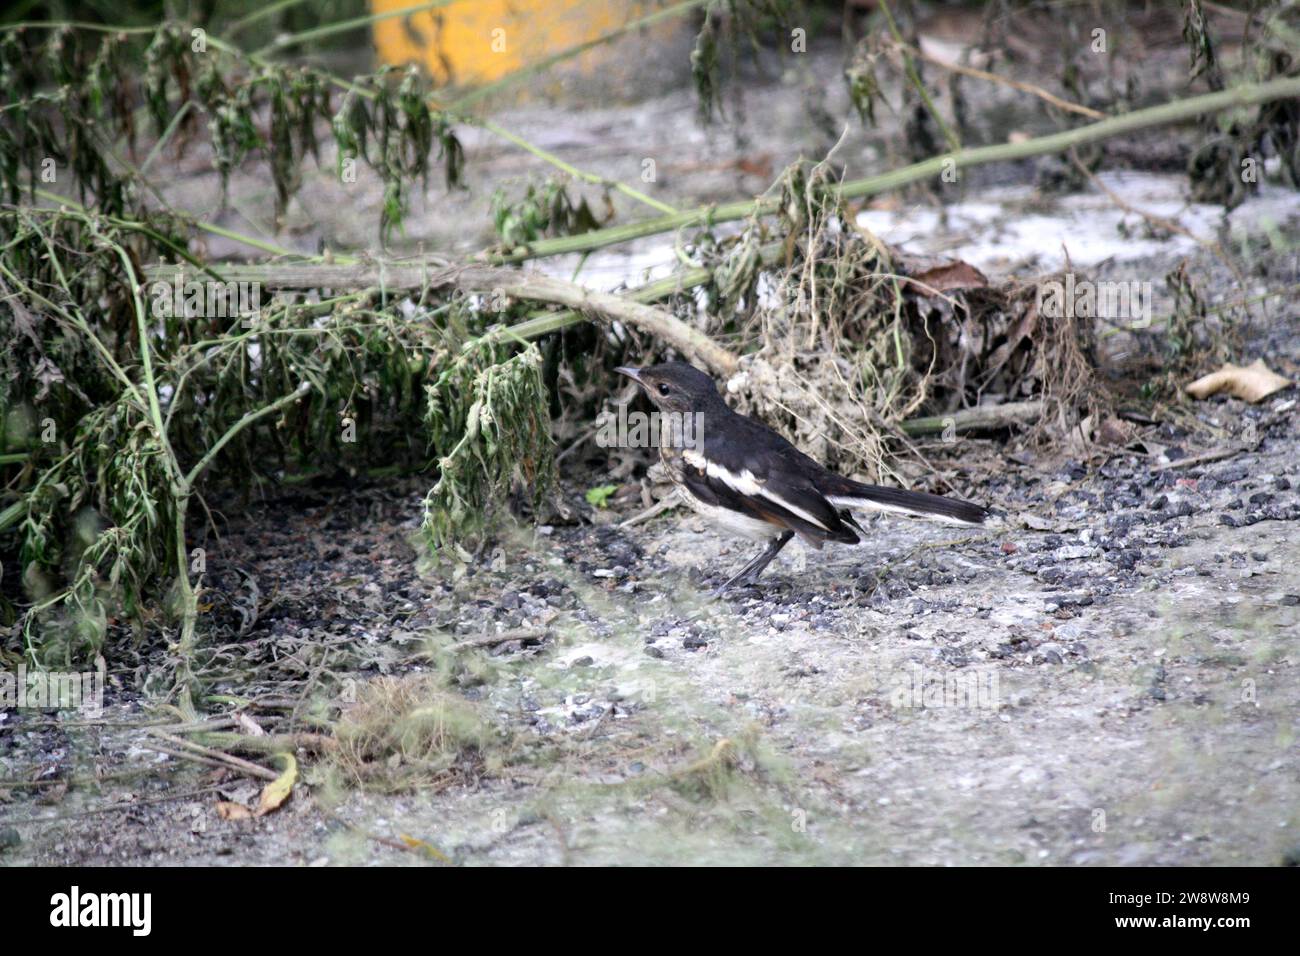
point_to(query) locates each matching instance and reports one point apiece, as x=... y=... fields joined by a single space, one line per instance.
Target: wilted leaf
x=949 y=277
x=415 y=843
x=227 y=810
x=277 y=791
x=1253 y=383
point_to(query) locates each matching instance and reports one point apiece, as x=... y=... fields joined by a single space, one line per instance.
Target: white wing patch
x=747 y=484
x=846 y=501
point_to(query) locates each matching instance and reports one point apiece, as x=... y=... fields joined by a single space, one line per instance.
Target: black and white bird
x=746 y=478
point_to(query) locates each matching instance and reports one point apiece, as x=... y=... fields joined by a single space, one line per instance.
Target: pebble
x=1073 y=552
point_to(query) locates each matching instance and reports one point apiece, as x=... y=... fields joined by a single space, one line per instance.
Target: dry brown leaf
x=227 y=810
x=1115 y=431
x=949 y=277
x=1253 y=383
x=277 y=791
x=249 y=726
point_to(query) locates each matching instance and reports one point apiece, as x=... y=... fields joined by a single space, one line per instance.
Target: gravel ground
x=1107 y=678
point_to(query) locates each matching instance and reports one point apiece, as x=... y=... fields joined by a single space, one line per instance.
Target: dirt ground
x=1108 y=676
x=1120 y=689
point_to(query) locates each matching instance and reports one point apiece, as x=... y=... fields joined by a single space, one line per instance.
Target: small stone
x=1072 y=552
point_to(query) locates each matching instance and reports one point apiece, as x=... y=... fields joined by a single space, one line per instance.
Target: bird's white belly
x=728 y=520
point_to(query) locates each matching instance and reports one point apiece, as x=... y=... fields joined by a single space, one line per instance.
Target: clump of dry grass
x=853 y=338
x=411 y=733
x=712 y=777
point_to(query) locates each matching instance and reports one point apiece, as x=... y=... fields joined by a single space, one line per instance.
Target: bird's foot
x=737 y=583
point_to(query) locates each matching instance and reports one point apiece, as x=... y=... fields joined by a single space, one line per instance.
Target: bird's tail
x=917 y=503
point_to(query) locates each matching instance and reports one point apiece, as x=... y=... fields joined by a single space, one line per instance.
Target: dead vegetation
x=405 y=733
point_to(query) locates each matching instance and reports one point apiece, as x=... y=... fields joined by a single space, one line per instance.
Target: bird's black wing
x=744 y=465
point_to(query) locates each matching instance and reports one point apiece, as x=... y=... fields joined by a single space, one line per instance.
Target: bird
x=747 y=479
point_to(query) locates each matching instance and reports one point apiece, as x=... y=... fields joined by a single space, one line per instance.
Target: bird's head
x=675 y=386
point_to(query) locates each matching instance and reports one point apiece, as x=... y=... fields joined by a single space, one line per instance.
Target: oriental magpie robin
x=746 y=478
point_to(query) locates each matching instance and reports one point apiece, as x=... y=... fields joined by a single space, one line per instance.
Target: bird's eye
x=663 y=389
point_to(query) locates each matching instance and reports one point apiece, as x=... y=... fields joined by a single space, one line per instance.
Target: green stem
x=75 y=25
x=13 y=514
x=914 y=77
x=203 y=226
x=343 y=26
x=248 y=419
x=165 y=138
x=574 y=171
x=146 y=365
x=1163 y=115
x=261 y=14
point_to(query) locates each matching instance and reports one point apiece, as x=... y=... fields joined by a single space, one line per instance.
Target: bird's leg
x=750 y=572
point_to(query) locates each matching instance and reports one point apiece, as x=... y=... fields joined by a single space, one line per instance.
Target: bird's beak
x=633 y=373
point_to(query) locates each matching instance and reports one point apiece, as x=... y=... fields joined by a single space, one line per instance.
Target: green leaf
x=596 y=497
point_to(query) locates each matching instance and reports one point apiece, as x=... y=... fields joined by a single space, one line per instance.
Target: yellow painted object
x=468 y=42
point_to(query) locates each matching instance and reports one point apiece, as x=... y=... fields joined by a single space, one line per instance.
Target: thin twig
x=1020 y=85
x=228 y=760
x=495 y=640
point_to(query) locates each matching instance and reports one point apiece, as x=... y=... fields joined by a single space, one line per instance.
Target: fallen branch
x=270 y=743
x=494 y=640
x=528 y=286
x=1217 y=454
x=667 y=503
x=979 y=418
x=189 y=750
